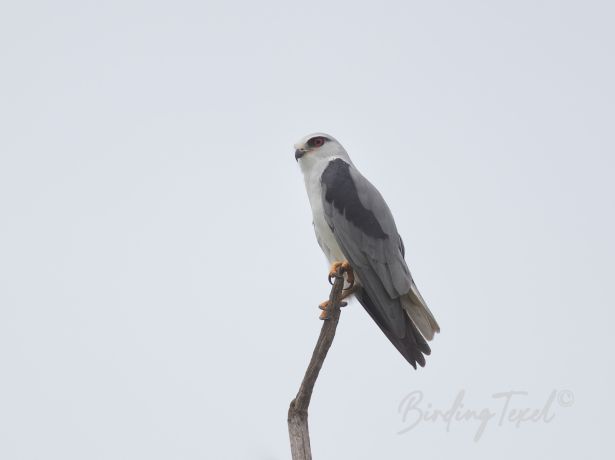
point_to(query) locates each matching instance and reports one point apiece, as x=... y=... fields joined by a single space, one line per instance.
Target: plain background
x=159 y=275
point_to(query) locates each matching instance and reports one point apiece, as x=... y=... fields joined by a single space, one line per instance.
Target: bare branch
x=298 y=410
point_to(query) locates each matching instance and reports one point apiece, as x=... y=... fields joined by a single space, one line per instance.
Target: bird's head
x=316 y=148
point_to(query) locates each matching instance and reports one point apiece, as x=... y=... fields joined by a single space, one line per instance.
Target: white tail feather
x=417 y=310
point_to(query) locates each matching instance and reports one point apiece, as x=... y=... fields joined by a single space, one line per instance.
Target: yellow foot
x=324 y=306
x=345 y=268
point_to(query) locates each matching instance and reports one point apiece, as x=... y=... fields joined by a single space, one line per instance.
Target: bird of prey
x=356 y=231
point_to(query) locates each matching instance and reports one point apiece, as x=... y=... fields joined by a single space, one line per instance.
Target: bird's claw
x=324 y=306
x=335 y=271
x=350 y=279
x=338 y=269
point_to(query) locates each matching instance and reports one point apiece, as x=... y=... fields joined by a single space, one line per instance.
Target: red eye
x=316 y=142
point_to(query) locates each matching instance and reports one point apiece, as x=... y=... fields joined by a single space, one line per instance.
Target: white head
x=318 y=149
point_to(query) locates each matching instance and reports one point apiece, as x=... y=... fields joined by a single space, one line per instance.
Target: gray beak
x=299 y=154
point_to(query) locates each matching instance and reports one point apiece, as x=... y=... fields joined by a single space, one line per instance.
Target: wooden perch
x=298 y=410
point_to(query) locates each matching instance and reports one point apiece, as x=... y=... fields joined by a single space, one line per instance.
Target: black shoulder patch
x=341 y=192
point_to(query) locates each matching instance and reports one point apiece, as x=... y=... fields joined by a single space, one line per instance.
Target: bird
x=357 y=233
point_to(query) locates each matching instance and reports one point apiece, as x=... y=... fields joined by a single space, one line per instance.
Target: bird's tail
x=419 y=313
x=412 y=345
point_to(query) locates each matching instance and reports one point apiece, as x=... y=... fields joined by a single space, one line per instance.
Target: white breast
x=324 y=235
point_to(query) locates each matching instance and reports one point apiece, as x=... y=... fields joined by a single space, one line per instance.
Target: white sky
x=159 y=276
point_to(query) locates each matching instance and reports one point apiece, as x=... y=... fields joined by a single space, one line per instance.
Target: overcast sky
x=159 y=275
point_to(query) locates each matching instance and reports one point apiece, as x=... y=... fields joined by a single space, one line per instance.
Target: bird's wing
x=365 y=230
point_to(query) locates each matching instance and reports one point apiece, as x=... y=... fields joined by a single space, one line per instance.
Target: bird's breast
x=324 y=235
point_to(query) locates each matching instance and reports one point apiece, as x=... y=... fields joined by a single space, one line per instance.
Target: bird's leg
x=345 y=268
x=324 y=306
x=336 y=269
x=349 y=274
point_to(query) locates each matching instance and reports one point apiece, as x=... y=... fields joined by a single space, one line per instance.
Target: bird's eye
x=316 y=142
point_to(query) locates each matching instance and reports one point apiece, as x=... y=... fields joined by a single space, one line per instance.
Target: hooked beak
x=298 y=154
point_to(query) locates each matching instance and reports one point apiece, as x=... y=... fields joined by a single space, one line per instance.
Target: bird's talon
x=324 y=306
x=338 y=269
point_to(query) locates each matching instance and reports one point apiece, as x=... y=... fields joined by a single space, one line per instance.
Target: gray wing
x=364 y=228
